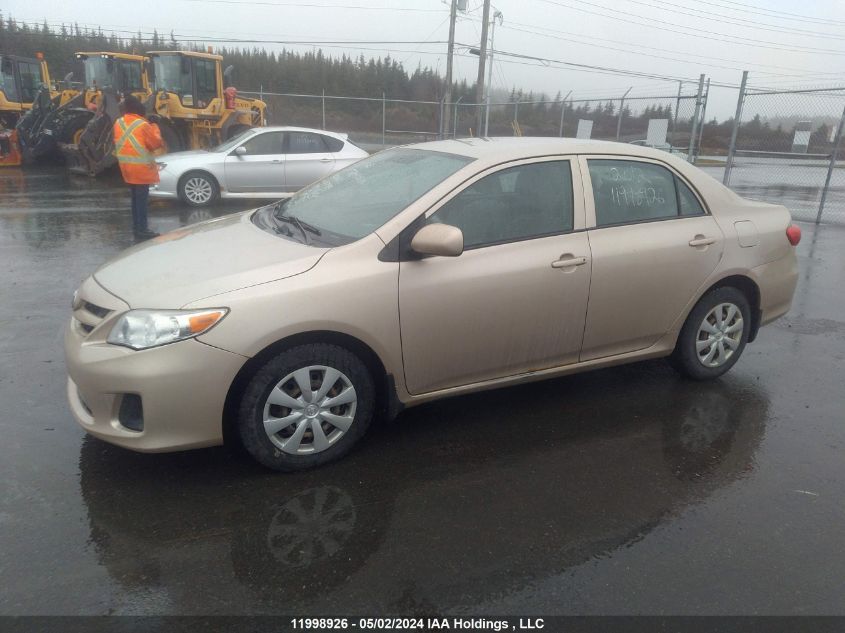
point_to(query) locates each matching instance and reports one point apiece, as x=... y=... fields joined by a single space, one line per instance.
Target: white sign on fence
x=585 y=128
x=801 y=139
x=657 y=131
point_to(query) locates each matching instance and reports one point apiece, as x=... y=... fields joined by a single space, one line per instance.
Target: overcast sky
x=782 y=42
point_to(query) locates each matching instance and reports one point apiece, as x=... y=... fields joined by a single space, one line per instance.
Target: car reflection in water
x=455 y=503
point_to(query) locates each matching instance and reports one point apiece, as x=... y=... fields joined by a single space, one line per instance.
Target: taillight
x=793 y=234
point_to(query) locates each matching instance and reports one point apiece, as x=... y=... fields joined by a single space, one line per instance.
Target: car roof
x=290 y=128
x=516 y=147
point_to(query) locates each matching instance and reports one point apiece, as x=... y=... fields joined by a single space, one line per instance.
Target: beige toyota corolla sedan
x=419 y=273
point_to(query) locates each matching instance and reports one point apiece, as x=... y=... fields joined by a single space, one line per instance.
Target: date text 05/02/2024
x=418 y=624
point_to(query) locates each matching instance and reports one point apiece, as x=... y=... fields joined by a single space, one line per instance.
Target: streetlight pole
x=496 y=15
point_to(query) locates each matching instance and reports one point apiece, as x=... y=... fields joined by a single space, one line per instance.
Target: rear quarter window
x=334 y=144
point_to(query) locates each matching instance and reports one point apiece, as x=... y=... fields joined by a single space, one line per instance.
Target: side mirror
x=240 y=150
x=438 y=239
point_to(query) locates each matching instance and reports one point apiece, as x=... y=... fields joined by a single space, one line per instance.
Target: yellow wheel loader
x=194 y=109
x=21 y=78
x=84 y=128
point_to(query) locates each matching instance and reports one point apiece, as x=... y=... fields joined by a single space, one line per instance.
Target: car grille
x=89 y=316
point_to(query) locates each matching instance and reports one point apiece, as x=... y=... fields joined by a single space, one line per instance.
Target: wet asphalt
x=619 y=491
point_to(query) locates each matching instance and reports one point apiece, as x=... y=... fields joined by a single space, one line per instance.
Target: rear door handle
x=702 y=241
x=568 y=261
x=326 y=160
x=277 y=160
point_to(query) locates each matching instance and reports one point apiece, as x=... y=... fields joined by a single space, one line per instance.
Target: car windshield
x=235 y=140
x=357 y=200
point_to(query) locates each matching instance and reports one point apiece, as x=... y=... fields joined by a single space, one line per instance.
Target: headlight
x=140 y=329
x=160 y=165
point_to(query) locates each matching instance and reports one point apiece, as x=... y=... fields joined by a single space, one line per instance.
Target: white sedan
x=266 y=162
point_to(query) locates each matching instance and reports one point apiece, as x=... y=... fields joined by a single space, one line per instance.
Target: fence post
x=834 y=153
x=729 y=162
x=694 y=125
x=703 y=117
x=675 y=116
x=324 y=108
x=455 y=118
x=383 y=118
x=516 y=115
x=440 y=119
x=621 y=108
x=562 y=110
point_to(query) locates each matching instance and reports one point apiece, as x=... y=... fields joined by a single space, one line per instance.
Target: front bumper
x=182 y=386
x=166 y=187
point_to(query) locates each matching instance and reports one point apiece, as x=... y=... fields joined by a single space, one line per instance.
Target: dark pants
x=140 y=194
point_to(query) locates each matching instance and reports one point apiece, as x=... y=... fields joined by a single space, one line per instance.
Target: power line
x=697 y=34
x=797 y=17
x=591 y=42
x=721 y=17
x=309 y=5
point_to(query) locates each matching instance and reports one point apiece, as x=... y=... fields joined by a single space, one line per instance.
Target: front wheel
x=714 y=334
x=198 y=189
x=307 y=406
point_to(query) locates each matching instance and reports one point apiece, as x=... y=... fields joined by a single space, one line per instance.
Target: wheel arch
x=199 y=171
x=747 y=286
x=387 y=402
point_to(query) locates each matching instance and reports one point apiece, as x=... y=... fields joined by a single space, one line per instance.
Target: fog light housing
x=131 y=414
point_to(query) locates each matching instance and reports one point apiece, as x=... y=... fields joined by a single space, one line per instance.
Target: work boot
x=145 y=234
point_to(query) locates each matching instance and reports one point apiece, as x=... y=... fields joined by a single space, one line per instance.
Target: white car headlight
x=141 y=329
x=160 y=165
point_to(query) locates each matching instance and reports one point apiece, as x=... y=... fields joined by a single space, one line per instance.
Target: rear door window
x=306 y=143
x=632 y=191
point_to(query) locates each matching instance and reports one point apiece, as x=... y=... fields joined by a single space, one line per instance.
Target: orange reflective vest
x=135 y=140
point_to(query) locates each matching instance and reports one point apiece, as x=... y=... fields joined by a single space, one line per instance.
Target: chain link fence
x=786 y=149
x=783 y=146
x=381 y=122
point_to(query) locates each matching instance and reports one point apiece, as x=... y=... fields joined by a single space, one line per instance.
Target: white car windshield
x=234 y=141
x=357 y=200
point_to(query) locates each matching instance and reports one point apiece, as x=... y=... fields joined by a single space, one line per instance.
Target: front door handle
x=325 y=160
x=700 y=240
x=569 y=261
x=277 y=160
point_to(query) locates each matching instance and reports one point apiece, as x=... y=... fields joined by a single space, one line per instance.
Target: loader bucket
x=94 y=151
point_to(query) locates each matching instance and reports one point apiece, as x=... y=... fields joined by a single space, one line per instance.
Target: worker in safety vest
x=135 y=140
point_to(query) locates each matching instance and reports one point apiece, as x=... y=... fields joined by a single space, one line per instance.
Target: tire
x=72 y=129
x=173 y=141
x=727 y=340
x=274 y=393
x=198 y=188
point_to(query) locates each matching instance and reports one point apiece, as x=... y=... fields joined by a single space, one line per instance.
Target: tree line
x=314 y=72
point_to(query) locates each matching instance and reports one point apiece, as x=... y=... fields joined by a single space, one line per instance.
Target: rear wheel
x=198 y=188
x=714 y=334
x=307 y=406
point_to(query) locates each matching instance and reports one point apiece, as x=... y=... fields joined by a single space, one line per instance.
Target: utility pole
x=488 y=86
x=694 y=124
x=482 y=58
x=447 y=96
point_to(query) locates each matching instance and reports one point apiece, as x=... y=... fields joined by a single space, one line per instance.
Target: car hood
x=203 y=260
x=193 y=153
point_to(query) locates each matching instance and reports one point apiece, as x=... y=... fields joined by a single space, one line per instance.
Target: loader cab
x=194 y=78
x=20 y=80
x=120 y=72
